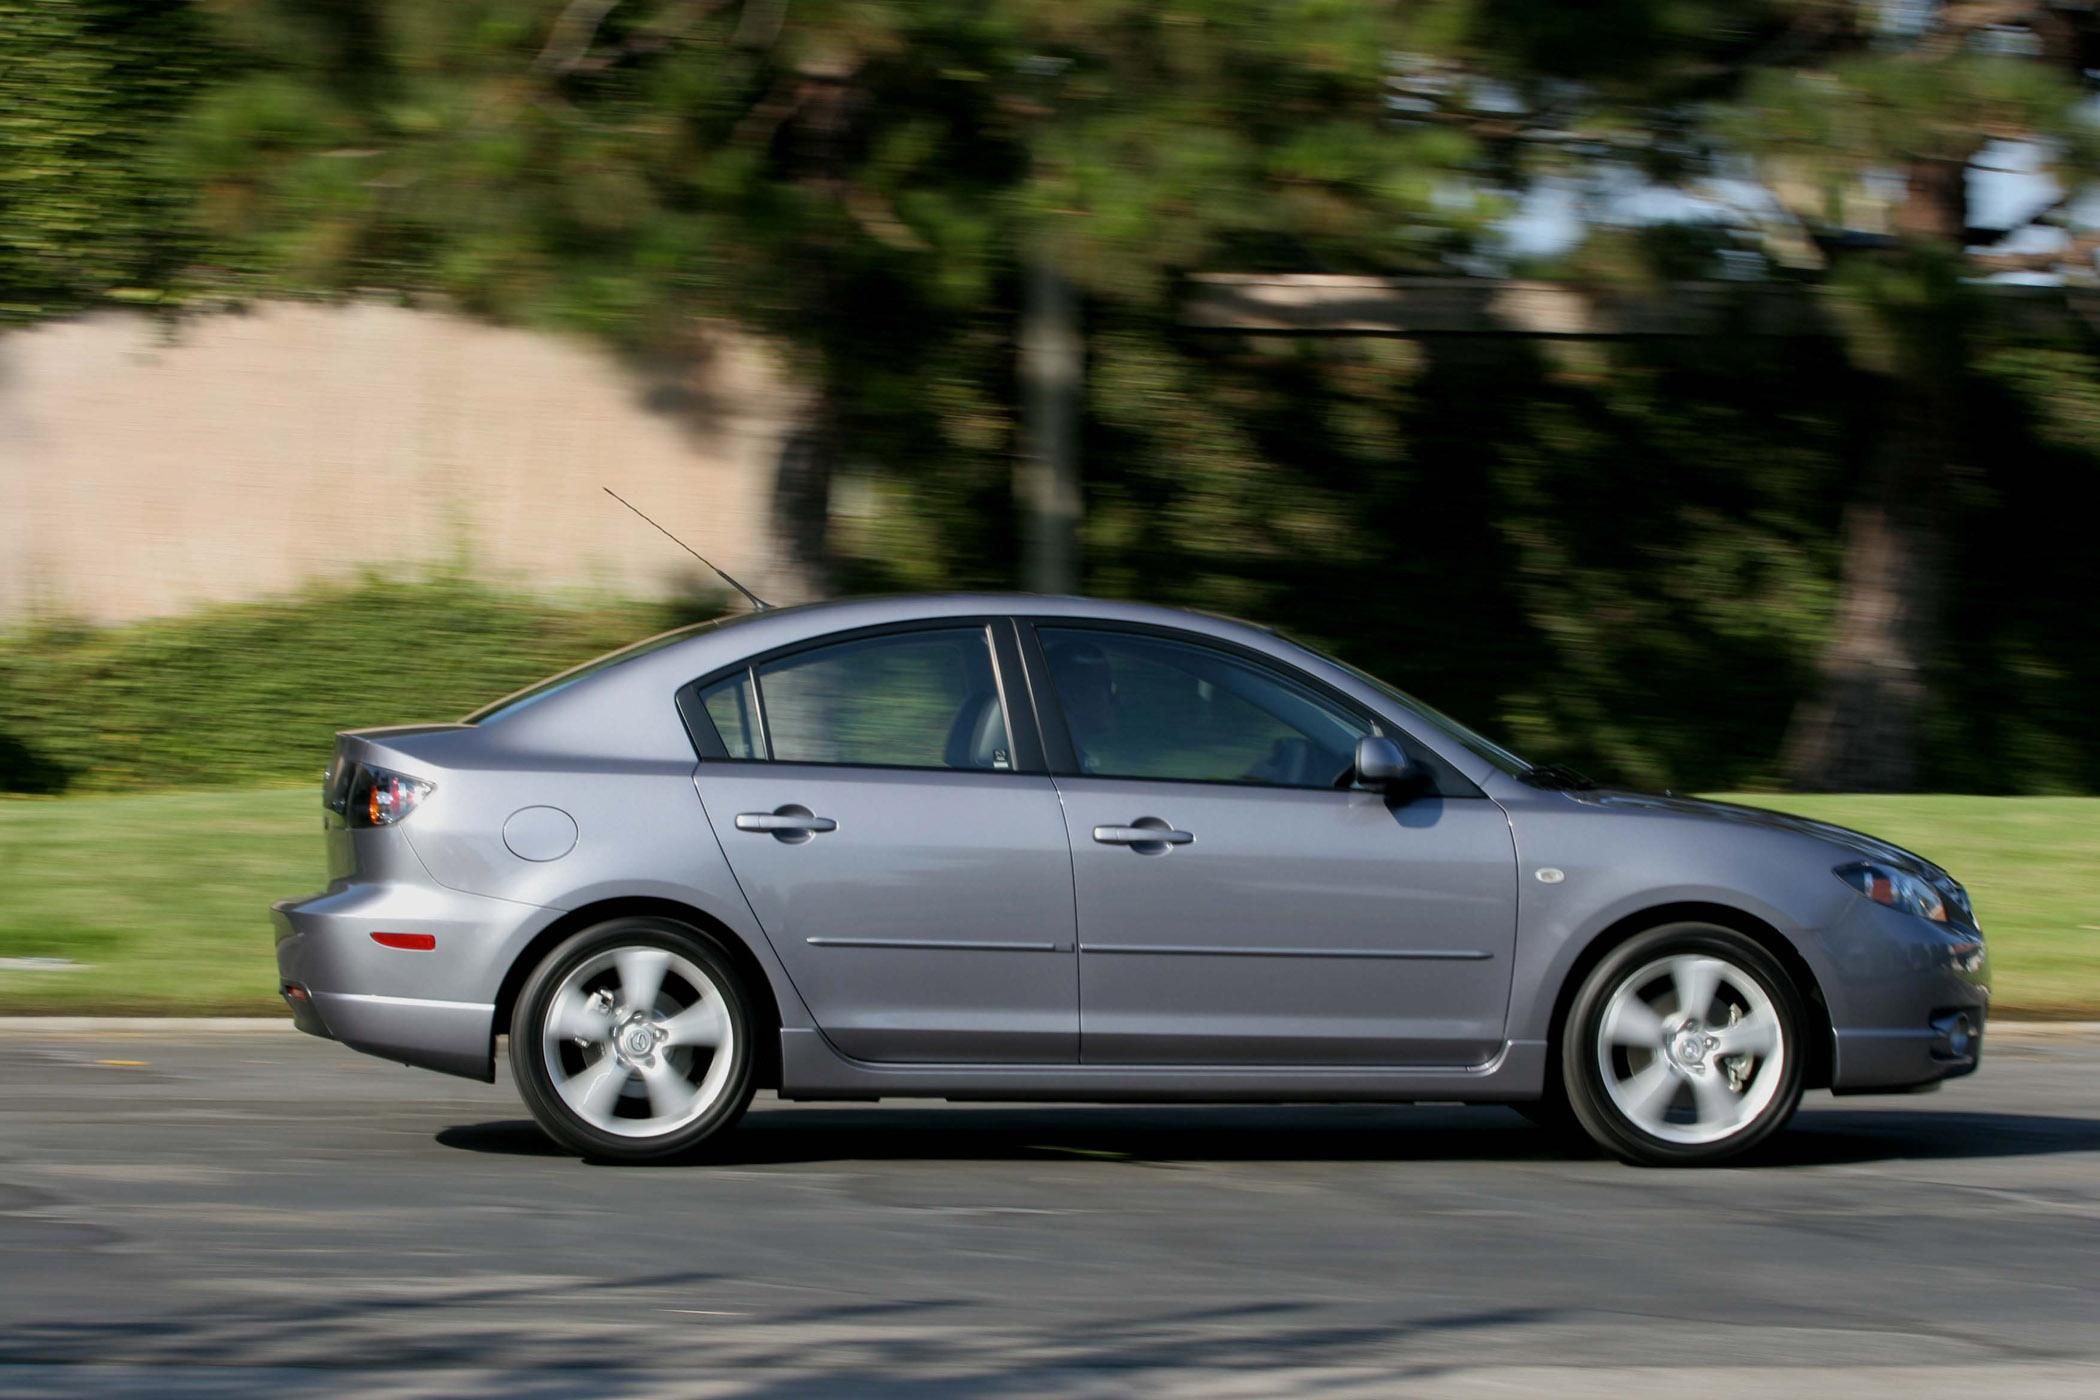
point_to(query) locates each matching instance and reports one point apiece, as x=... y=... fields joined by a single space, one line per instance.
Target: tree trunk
x=802 y=500
x=1859 y=731
x=1046 y=479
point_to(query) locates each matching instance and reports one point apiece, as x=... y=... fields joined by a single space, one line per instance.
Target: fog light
x=1955 y=1035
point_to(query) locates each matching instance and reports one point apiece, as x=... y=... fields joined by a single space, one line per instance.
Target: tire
x=620 y=1081
x=1656 y=1086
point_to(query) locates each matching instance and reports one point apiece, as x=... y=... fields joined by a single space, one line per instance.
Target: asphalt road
x=196 y=1214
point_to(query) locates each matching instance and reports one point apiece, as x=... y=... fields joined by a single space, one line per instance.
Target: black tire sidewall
x=529 y=1070
x=1582 y=1081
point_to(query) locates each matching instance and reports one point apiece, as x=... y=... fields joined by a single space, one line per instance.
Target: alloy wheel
x=1691 y=1049
x=637 y=1041
x=1682 y=1047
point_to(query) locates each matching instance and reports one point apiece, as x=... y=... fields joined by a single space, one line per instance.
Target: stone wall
x=145 y=469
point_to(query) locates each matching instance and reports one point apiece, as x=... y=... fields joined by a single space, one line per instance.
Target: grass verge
x=163 y=897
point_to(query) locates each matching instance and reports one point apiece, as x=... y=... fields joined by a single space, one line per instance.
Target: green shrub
x=254 y=692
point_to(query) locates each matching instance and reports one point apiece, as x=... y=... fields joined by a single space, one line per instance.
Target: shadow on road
x=1170 y=1134
x=548 y=1340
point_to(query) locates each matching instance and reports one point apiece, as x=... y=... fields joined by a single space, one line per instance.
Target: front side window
x=907 y=700
x=1140 y=706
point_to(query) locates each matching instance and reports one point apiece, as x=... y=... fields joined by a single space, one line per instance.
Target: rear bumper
x=434 y=1009
x=454 y=1037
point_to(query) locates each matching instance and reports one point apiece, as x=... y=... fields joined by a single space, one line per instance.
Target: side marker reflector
x=414 y=942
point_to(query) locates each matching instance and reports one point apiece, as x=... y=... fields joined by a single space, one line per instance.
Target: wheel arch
x=1817 y=1034
x=765 y=1066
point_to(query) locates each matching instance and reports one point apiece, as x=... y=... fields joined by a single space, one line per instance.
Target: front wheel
x=631 y=1041
x=1683 y=1047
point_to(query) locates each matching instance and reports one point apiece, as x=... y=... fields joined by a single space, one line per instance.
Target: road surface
x=189 y=1213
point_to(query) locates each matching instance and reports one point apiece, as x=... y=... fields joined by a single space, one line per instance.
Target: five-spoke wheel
x=1681 y=1047
x=630 y=1040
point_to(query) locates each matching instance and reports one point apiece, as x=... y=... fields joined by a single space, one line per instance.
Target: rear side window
x=901 y=700
x=733 y=706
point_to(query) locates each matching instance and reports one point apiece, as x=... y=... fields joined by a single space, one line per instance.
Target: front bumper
x=1909 y=1002
x=434 y=1009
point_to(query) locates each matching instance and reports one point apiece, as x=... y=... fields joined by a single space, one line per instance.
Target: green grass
x=166 y=895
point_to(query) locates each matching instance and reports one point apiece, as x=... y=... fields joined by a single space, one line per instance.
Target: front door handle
x=792 y=824
x=1148 y=836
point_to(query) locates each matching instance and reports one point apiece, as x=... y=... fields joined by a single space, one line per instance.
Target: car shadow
x=1166 y=1135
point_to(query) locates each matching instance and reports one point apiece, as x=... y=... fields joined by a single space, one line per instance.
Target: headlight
x=1895 y=889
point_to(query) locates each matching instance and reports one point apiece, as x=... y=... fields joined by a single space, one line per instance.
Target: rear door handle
x=1147 y=836
x=790 y=823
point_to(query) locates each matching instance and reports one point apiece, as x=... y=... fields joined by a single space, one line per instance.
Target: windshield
x=540 y=690
x=1477 y=743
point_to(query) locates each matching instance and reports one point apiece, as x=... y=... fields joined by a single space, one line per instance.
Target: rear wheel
x=1683 y=1048
x=631 y=1040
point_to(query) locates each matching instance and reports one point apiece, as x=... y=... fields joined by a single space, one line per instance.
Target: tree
x=870 y=185
x=87 y=215
x=1857 y=125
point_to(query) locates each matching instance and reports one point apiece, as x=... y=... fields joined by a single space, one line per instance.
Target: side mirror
x=1382 y=764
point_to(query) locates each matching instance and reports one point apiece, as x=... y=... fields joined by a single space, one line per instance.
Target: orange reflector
x=414 y=942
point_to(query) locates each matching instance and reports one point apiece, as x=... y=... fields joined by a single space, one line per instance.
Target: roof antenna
x=757 y=602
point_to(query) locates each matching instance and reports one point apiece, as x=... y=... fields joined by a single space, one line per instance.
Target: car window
x=912 y=700
x=733 y=706
x=1139 y=706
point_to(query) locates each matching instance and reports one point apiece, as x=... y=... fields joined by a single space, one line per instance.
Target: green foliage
x=88 y=210
x=1621 y=556
x=255 y=692
x=1612 y=556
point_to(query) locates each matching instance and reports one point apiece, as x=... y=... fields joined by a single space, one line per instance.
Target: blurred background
x=1698 y=392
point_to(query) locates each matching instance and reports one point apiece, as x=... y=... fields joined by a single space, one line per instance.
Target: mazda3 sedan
x=1012 y=847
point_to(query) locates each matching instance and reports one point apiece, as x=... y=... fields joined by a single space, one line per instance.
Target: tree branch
x=2078 y=254
x=570 y=37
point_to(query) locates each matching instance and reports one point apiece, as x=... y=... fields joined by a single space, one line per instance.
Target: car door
x=905 y=856
x=1238 y=902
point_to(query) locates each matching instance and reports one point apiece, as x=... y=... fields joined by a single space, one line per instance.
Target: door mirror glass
x=1383 y=764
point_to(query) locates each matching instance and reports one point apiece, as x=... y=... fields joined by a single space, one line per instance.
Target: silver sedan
x=1009 y=847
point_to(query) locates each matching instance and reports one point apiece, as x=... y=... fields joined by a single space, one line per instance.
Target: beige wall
x=144 y=470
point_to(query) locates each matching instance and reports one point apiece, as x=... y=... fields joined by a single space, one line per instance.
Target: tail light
x=368 y=796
